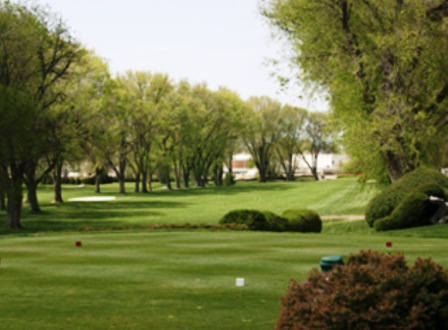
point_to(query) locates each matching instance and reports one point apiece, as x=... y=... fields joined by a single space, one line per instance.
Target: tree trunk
x=262 y=173
x=2 y=199
x=14 y=193
x=168 y=183
x=186 y=176
x=150 y=181
x=144 y=182
x=395 y=166
x=32 y=196
x=177 y=175
x=31 y=185
x=57 y=183
x=98 y=172
x=121 y=175
x=218 y=176
x=137 y=183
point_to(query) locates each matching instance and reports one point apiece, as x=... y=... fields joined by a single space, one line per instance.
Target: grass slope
x=194 y=206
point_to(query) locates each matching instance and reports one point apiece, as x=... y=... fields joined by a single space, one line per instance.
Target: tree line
x=59 y=105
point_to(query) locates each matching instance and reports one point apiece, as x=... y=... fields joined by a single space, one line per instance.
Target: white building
x=327 y=164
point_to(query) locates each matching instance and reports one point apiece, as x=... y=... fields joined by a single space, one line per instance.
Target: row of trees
x=60 y=105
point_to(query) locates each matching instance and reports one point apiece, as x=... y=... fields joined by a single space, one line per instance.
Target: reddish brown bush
x=373 y=291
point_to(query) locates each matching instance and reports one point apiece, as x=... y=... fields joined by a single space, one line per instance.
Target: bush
x=385 y=202
x=255 y=220
x=303 y=221
x=229 y=179
x=415 y=210
x=373 y=291
x=275 y=222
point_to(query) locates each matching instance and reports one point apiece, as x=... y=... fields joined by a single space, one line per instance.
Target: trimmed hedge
x=292 y=220
x=372 y=291
x=304 y=221
x=385 y=202
x=414 y=211
x=276 y=222
x=254 y=220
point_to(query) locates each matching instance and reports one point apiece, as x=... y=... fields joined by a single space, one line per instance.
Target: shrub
x=415 y=210
x=255 y=220
x=275 y=222
x=229 y=179
x=373 y=291
x=385 y=202
x=303 y=221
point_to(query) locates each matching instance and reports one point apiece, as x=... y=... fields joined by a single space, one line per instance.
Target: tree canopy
x=384 y=64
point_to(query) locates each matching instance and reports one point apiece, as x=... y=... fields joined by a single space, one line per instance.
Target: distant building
x=327 y=164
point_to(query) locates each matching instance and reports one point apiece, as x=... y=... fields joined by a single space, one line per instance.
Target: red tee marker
x=389 y=244
x=78 y=243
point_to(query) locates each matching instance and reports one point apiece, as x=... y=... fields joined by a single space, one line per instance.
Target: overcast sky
x=220 y=42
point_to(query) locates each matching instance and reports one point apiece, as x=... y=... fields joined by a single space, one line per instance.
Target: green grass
x=167 y=280
x=180 y=279
x=194 y=206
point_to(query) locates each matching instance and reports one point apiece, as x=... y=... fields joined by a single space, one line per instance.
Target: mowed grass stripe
x=163 y=280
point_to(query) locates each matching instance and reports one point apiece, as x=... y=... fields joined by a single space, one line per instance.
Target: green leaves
x=381 y=62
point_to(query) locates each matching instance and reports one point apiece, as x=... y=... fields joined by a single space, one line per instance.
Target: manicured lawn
x=167 y=279
x=194 y=206
x=179 y=279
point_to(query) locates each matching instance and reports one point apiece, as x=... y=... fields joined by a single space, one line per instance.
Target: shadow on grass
x=72 y=216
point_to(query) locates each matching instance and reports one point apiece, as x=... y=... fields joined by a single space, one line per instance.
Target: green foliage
x=229 y=179
x=387 y=83
x=254 y=220
x=414 y=210
x=373 y=291
x=303 y=221
x=276 y=222
x=385 y=202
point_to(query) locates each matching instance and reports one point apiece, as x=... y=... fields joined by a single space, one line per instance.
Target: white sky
x=220 y=42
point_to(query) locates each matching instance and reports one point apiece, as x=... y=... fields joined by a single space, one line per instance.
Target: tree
x=37 y=52
x=292 y=137
x=146 y=95
x=318 y=139
x=262 y=132
x=384 y=64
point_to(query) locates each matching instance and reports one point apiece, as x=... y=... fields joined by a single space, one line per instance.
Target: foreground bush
x=304 y=221
x=373 y=291
x=385 y=202
x=254 y=220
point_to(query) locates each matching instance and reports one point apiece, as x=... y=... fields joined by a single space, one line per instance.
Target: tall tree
x=90 y=101
x=319 y=138
x=262 y=132
x=147 y=94
x=291 y=140
x=36 y=54
x=385 y=65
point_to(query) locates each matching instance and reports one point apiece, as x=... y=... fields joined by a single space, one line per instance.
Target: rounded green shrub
x=415 y=210
x=276 y=222
x=386 y=201
x=255 y=220
x=303 y=221
x=372 y=291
